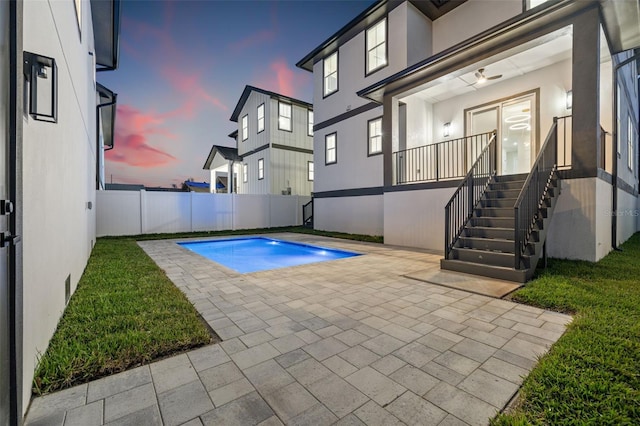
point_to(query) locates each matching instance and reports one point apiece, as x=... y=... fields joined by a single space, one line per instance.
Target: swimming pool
x=254 y=254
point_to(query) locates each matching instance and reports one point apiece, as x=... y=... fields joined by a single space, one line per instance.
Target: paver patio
x=346 y=342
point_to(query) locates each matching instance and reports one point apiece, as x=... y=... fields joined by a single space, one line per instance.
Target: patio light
x=569 y=99
x=43 y=94
x=446 y=130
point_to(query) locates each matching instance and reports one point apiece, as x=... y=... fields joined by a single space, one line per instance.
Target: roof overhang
x=107 y=112
x=105 y=15
x=433 y=9
x=247 y=92
x=227 y=153
x=622 y=23
x=531 y=24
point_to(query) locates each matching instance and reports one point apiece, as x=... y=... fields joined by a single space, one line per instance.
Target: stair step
x=486 y=257
x=511 y=178
x=517 y=184
x=494 y=212
x=498 y=202
x=489 y=244
x=493 y=222
x=489 y=232
x=502 y=193
x=498 y=272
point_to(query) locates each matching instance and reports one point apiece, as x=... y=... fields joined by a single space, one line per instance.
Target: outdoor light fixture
x=446 y=130
x=569 y=99
x=41 y=72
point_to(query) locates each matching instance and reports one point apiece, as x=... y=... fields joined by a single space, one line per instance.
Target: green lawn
x=125 y=312
x=592 y=374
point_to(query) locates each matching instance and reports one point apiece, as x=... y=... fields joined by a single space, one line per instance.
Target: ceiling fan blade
x=494 y=77
x=478 y=74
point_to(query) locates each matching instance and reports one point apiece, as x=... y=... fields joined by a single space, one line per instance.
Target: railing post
x=517 y=238
x=437 y=162
x=470 y=199
x=446 y=232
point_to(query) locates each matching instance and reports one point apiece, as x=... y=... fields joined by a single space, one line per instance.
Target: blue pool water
x=260 y=254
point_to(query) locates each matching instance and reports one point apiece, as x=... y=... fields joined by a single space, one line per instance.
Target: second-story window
x=245 y=127
x=330 y=146
x=245 y=172
x=310 y=170
x=260 y=118
x=284 y=116
x=330 y=81
x=261 y=169
x=309 y=122
x=630 y=153
x=377 y=46
x=375 y=136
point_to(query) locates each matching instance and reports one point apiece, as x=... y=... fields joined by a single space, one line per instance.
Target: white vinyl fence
x=144 y=212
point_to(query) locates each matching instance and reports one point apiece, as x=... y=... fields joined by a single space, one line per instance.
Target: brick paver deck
x=346 y=342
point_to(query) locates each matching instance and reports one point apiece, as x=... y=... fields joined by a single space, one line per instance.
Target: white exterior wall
x=58 y=175
x=419 y=35
x=298 y=136
x=253 y=184
x=289 y=170
x=471 y=18
x=423 y=210
x=250 y=108
x=627 y=214
x=355 y=215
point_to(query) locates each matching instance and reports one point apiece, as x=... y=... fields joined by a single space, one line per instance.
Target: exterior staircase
x=486 y=246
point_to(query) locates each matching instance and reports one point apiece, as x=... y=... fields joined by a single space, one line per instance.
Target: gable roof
x=226 y=152
x=433 y=9
x=247 y=91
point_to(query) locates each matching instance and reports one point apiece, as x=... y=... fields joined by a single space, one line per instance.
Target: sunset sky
x=183 y=66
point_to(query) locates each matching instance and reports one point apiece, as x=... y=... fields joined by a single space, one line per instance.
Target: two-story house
x=274 y=146
x=55 y=120
x=484 y=129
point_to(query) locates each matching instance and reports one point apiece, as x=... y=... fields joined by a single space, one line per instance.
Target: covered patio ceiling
x=536 y=54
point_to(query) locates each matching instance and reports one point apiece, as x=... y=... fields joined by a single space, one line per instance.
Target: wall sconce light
x=569 y=99
x=41 y=72
x=446 y=130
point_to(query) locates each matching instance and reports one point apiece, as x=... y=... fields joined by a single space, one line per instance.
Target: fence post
x=143 y=212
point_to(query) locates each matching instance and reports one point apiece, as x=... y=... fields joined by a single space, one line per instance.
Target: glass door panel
x=516 y=136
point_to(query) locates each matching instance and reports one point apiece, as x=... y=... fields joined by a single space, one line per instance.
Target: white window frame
x=374 y=138
x=376 y=46
x=260 y=168
x=331 y=151
x=309 y=122
x=260 y=118
x=310 y=171
x=245 y=173
x=283 y=119
x=245 y=127
x=329 y=73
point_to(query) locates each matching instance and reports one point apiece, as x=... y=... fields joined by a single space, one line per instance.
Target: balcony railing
x=439 y=161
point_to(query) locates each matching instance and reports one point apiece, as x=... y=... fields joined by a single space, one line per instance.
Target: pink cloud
x=252 y=40
x=284 y=79
x=134 y=129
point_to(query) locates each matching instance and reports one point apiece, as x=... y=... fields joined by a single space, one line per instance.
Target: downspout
x=614 y=157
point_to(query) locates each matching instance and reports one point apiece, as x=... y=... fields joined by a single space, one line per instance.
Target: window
x=309 y=122
x=245 y=173
x=619 y=120
x=284 y=116
x=330 y=148
x=535 y=3
x=330 y=74
x=261 y=169
x=78 y=4
x=310 y=170
x=630 y=151
x=260 y=118
x=245 y=127
x=377 y=46
x=375 y=136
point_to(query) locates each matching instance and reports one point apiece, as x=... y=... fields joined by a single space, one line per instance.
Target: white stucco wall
x=627 y=214
x=354 y=215
x=423 y=210
x=58 y=175
x=471 y=18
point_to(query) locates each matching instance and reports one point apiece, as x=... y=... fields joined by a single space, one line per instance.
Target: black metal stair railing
x=439 y=161
x=534 y=191
x=460 y=207
x=307 y=213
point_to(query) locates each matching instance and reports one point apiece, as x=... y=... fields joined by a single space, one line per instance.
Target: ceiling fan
x=481 y=78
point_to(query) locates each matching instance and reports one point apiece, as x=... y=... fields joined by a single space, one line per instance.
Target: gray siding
x=253 y=185
x=255 y=139
x=289 y=170
x=298 y=137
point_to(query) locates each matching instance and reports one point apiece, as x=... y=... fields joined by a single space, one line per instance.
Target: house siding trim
x=356 y=192
x=291 y=148
x=346 y=115
x=258 y=149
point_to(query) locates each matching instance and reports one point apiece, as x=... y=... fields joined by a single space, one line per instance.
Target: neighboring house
x=223 y=164
x=55 y=121
x=401 y=89
x=275 y=142
x=193 y=186
x=123 y=187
